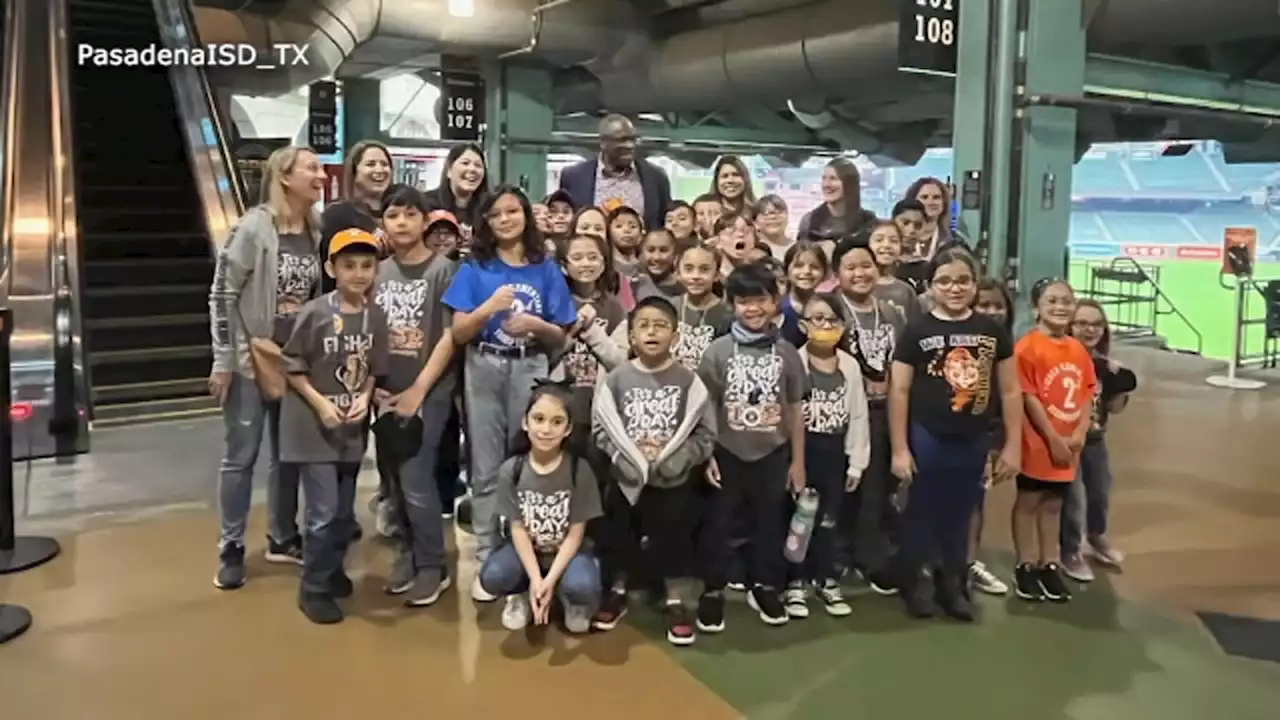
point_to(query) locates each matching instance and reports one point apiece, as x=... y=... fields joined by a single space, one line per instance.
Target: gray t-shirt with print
x=297 y=277
x=548 y=504
x=410 y=298
x=900 y=295
x=698 y=328
x=338 y=352
x=651 y=404
x=581 y=366
x=873 y=337
x=753 y=387
x=826 y=410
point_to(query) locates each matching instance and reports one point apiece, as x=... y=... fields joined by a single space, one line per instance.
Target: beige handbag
x=268 y=368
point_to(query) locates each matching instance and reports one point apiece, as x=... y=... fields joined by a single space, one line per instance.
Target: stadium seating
x=1102 y=177
x=1190 y=173
x=1141 y=228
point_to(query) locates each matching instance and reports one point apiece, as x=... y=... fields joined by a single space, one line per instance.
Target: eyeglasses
x=823 y=321
x=946 y=283
x=659 y=325
x=1088 y=325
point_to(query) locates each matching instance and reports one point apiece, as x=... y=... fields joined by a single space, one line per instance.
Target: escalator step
x=110 y=247
x=139 y=338
x=143 y=301
x=108 y=370
x=192 y=270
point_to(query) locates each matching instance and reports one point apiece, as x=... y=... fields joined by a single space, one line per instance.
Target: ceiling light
x=462 y=8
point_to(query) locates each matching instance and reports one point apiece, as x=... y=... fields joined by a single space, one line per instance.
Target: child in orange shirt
x=1058 y=384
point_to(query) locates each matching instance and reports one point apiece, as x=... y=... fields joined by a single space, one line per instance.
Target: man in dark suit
x=617 y=177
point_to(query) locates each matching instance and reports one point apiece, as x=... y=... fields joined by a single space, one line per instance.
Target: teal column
x=361 y=110
x=1055 y=65
x=969 y=134
x=518 y=110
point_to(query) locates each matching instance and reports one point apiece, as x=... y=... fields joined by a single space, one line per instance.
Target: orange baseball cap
x=352 y=239
x=443 y=216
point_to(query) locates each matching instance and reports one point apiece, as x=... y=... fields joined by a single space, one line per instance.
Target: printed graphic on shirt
x=296 y=276
x=651 y=416
x=827 y=409
x=352 y=373
x=404 y=304
x=580 y=364
x=693 y=343
x=527 y=300
x=545 y=517
x=966 y=362
x=875 y=344
x=1061 y=391
x=751 y=398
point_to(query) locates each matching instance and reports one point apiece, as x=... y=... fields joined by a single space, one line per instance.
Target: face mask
x=825 y=336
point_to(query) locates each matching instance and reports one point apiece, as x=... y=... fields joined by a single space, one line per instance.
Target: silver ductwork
x=347 y=38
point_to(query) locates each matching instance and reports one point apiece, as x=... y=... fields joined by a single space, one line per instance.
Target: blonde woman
x=269 y=267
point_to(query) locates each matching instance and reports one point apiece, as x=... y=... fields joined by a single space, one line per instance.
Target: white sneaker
x=577 y=620
x=479 y=594
x=985 y=580
x=833 y=599
x=796 y=602
x=1075 y=567
x=517 y=613
x=1099 y=549
x=382 y=520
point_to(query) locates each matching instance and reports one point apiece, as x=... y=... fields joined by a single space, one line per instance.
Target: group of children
x=668 y=393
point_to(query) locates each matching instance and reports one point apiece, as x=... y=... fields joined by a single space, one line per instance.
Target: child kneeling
x=548 y=496
x=653 y=417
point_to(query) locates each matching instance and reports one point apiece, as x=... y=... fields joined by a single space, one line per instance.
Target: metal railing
x=1135 y=303
x=1248 y=317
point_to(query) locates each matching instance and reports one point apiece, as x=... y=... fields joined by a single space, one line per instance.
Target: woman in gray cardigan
x=266 y=271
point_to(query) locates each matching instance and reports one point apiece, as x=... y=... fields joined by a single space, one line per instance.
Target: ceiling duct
x=347 y=38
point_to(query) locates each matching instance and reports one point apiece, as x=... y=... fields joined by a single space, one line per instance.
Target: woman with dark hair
x=840 y=213
x=936 y=234
x=731 y=184
x=463 y=186
x=511 y=307
x=366 y=174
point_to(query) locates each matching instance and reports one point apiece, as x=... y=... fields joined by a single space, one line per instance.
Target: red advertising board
x=1199 y=252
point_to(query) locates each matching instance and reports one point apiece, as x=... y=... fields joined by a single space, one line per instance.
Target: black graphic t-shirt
x=297 y=274
x=581 y=366
x=954 y=390
x=547 y=504
x=826 y=410
x=338 y=352
x=410 y=297
x=651 y=404
x=873 y=336
x=697 y=329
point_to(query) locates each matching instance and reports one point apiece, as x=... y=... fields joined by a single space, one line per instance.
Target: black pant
x=664 y=518
x=871 y=523
x=826 y=466
x=756 y=489
x=946 y=488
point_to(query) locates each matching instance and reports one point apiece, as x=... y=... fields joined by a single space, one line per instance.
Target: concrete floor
x=129 y=626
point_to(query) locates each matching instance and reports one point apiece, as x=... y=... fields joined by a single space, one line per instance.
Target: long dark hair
x=607 y=283
x=446 y=187
x=561 y=391
x=944 y=219
x=747 y=201
x=988 y=284
x=484 y=246
x=1104 y=342
x=851 y=183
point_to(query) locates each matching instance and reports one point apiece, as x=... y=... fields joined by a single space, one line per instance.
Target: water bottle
x=801 y=528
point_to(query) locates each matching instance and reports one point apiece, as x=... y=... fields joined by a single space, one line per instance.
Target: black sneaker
x=953 y=595
x=611 y=612
x=284 y=553
x=341 y=586
x=918 y=598
x=357 y=532
x=766 y=601
x=680 y=627
x=883 y=583
x=1026 y=583
x=320 y=608
x=711 y=612
x=230 y=568
x=1051 y=583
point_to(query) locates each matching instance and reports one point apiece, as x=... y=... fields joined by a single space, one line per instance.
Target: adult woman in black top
x=366 y=175
x=463 y=185
x=840 y=214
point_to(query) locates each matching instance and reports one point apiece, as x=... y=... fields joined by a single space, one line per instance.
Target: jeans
x=503 y=574
x=826 y=467
x=415 y=494
x=1085 y=509
x=245 y=414
x=497 y=394
x=946 y=488
x=329 y=494
x=756 y=490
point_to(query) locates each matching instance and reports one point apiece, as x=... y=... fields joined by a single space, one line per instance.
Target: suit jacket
x=580 y=182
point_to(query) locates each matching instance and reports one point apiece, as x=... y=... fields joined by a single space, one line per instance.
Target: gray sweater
x=242 y=299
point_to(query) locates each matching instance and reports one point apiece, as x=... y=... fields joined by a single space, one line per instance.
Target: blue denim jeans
x=414 y=491
x=1085 y=509
x=245 y=415
x=329 y=494
x=946 y=488
x=497 y=391
x=503 y=574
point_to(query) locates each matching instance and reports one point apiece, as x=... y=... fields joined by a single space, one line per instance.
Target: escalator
x=147 y=260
